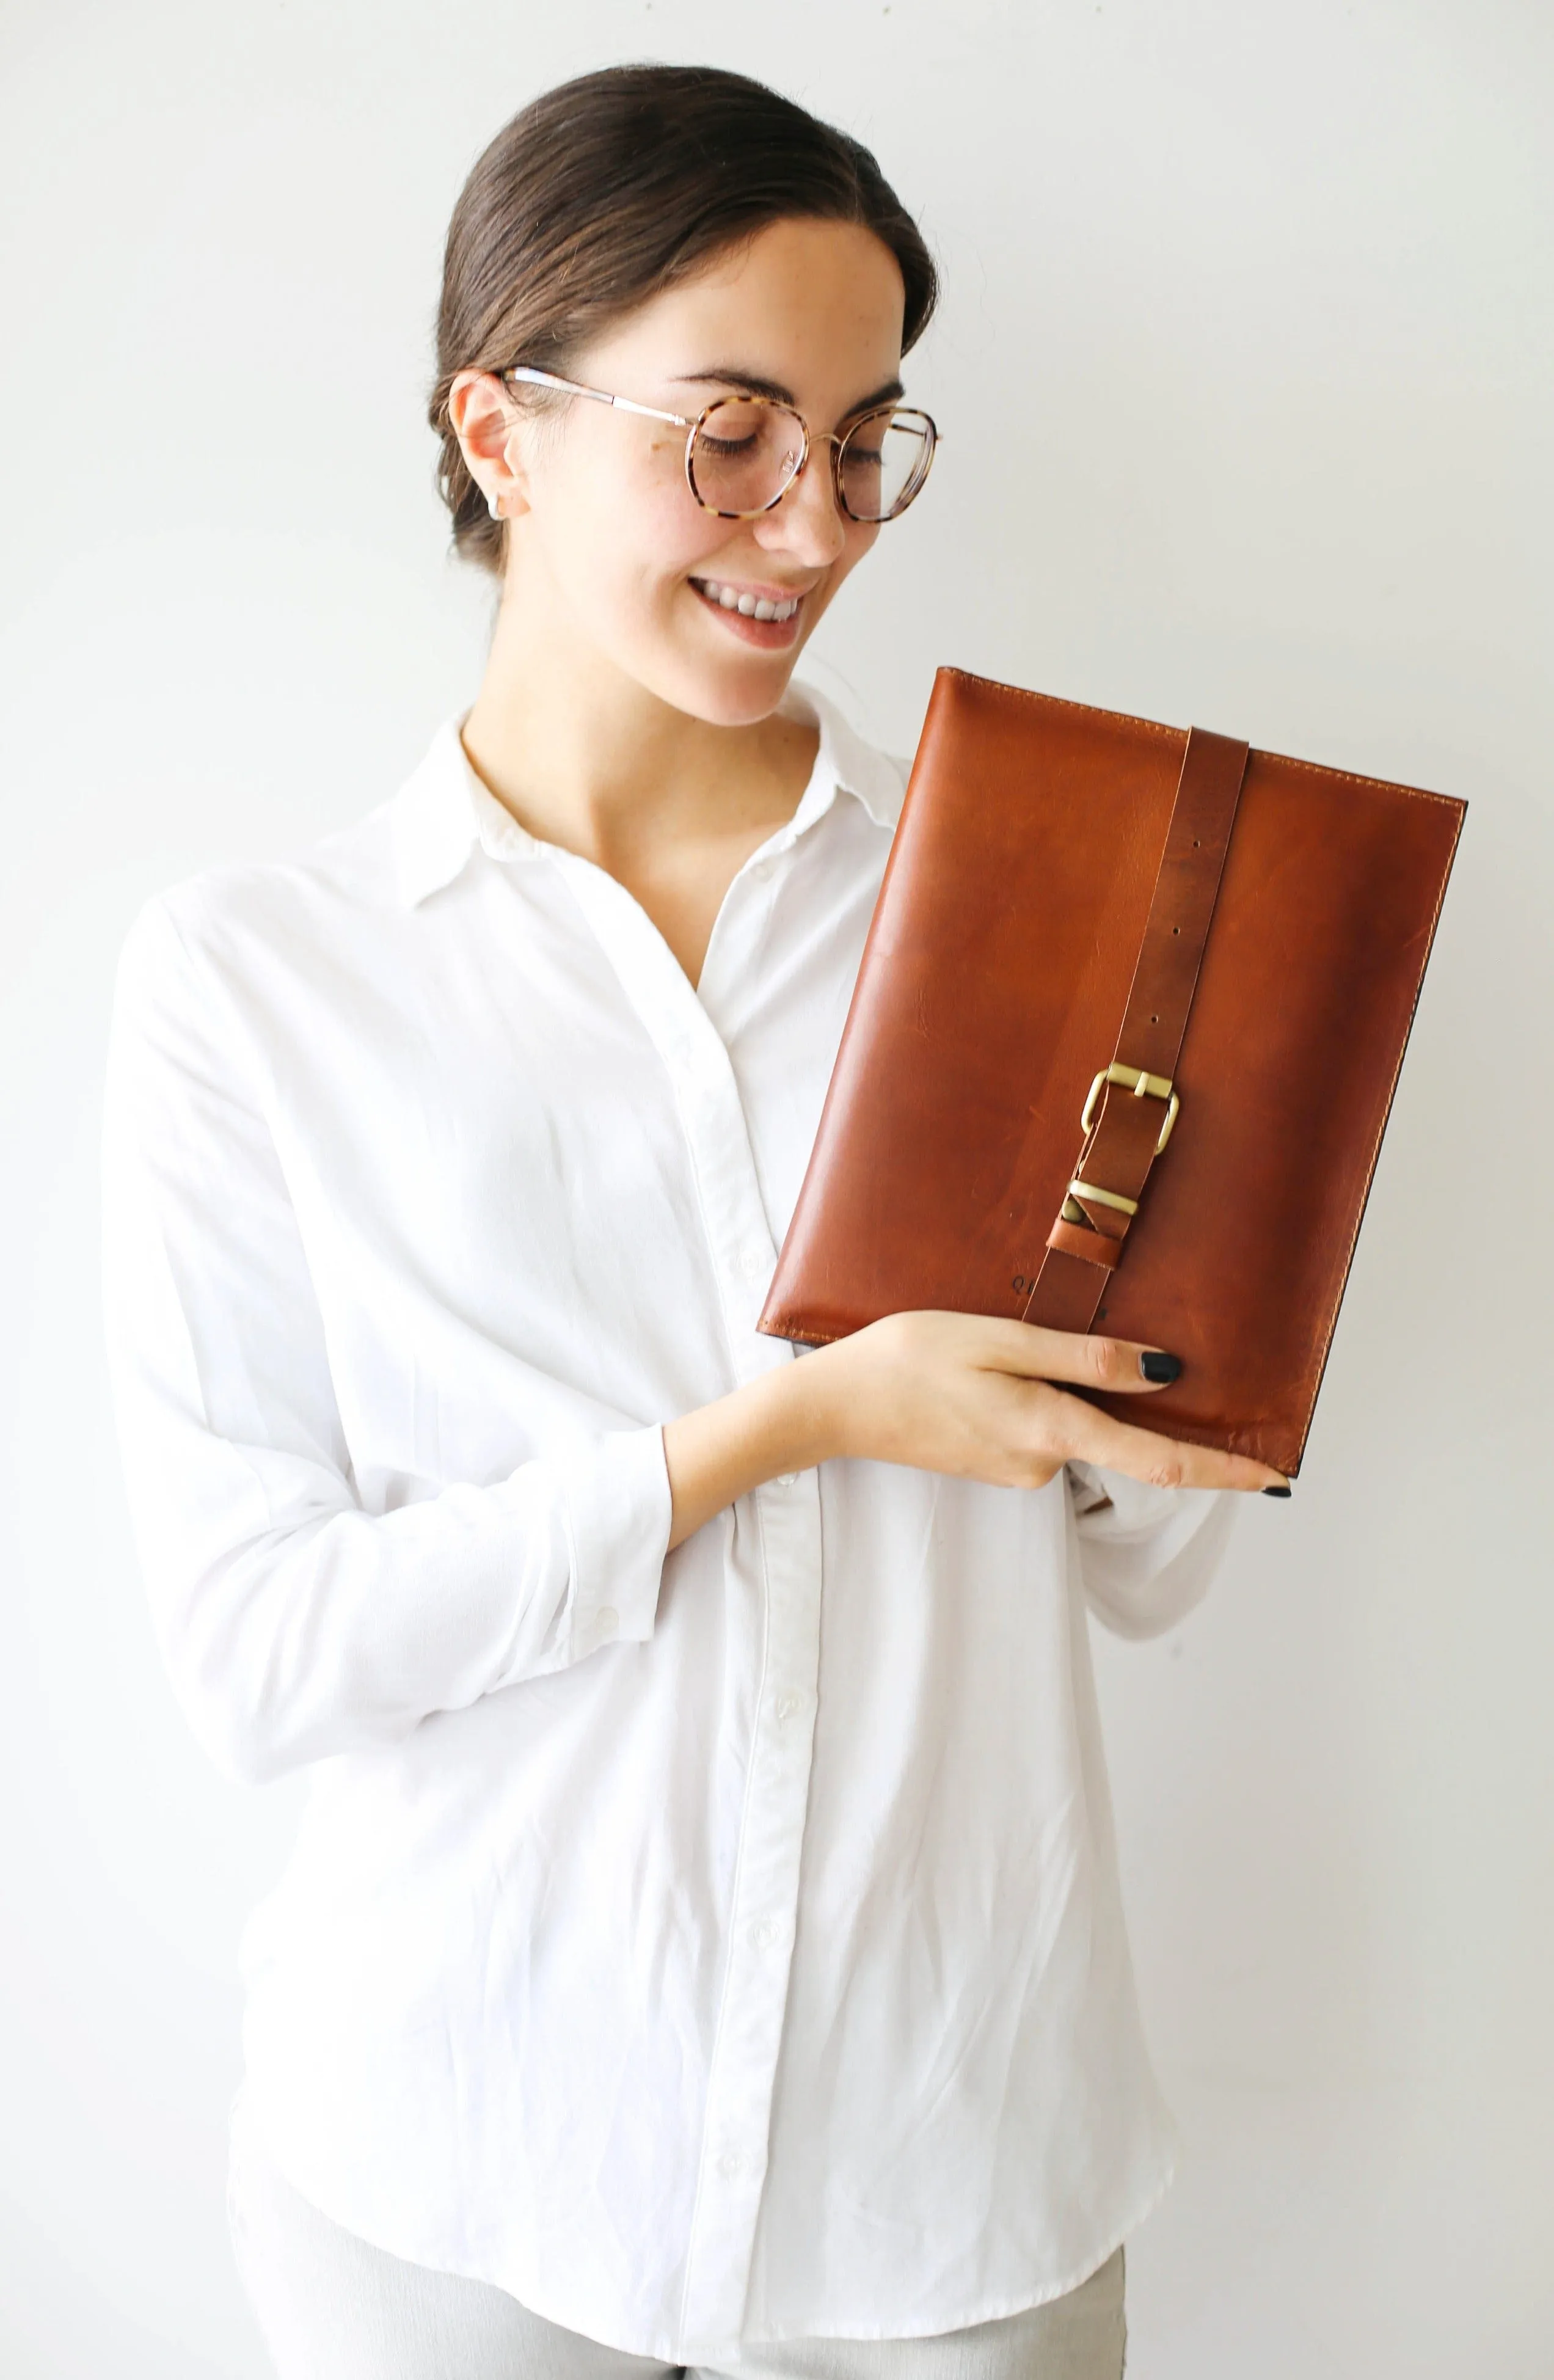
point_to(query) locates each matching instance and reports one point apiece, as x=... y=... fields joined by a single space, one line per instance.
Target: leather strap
x=1087 y=1241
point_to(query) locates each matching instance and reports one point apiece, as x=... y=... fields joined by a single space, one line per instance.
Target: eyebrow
x=753 y=385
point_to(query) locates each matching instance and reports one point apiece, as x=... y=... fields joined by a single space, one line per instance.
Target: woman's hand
x=960 y=1394
x=987 y=1400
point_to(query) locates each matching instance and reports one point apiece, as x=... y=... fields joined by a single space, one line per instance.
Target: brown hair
x=605 y=190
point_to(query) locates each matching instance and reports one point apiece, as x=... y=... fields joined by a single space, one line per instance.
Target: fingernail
x=1276 y=1491
x=1156 y=1365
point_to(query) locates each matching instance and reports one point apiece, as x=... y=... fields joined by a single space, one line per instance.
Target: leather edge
x=1162 y=727
x=1291 y=1471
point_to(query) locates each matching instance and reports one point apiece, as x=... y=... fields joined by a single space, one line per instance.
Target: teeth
x=752 y=607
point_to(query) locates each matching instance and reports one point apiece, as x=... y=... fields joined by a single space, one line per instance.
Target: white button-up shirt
x=725 y=1946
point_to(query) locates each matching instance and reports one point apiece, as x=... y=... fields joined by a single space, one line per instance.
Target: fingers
x=1159 y=1462
x=1120 y=1364
x=941 y=1345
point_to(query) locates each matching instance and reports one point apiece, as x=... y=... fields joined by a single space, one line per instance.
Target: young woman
x=703 y=1946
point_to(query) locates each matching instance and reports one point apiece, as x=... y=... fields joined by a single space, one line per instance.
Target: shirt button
x=754 y=1264
x=730 y=2165
x=607 y=1620
x=786 y=1706
x=763 y=1933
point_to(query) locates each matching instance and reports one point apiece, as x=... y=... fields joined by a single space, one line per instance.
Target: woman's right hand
x=961 y=1393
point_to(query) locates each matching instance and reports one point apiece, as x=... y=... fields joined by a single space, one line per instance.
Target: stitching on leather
x=1333 y=1310
x=1157 y=727
x=1348 y=777
x=1064 y=702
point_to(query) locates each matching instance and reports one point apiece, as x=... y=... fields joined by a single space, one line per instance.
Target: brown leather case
x=1054 y=906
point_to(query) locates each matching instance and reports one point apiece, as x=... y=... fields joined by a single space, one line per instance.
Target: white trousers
x=331 y=2306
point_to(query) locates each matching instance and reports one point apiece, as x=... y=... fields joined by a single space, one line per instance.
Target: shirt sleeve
x=1147 y=1555
x=293 y=1624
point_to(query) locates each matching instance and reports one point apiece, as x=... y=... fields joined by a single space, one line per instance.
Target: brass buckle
x=1142 y=1086
x=1077 y=1189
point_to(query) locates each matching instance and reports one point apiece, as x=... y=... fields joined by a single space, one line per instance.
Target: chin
x=737 y=696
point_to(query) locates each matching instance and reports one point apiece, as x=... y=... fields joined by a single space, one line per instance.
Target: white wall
x=1244 y=374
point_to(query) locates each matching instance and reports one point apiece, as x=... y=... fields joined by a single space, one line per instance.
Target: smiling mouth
x=749 y=607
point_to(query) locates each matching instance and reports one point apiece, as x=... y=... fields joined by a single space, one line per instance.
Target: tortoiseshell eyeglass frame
x=921 y=425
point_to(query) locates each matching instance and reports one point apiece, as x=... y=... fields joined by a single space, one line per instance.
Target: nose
x=808 y=521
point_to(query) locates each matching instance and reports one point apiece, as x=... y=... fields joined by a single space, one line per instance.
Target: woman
x=703 y=1945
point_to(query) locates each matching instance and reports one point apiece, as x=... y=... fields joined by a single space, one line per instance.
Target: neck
x=586 y=757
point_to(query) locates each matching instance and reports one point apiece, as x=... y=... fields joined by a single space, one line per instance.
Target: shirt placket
x=787 y=1515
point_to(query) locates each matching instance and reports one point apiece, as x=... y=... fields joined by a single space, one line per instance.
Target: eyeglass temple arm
x=576 y=388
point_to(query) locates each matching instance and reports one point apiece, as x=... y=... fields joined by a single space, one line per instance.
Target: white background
x=1244 y=370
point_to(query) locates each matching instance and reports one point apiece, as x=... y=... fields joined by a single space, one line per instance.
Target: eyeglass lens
x=883 y=462
x=745 y=453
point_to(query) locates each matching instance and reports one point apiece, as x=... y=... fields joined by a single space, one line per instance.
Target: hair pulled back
x=606 y=190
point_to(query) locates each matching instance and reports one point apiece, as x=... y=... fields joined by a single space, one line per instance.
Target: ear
x=486 y=428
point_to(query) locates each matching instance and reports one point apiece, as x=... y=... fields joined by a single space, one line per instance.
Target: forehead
x=814 y=305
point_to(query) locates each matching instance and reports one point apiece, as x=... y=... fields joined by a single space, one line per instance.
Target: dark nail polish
x=1157 y=1366
x=1276 y=1491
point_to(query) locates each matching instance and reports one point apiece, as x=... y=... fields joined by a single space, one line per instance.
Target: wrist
x=810 y=1407
x=780 y=1423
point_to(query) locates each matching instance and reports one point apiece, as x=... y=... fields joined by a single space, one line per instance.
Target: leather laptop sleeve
x=1121 y=1051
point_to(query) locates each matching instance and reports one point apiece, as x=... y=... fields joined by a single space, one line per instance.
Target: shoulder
x=211 y=946
x=345 y=874
x=318 y=913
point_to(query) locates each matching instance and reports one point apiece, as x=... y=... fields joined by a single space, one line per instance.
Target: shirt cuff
x=618 y=1508
x=1134 y=1511
x=1147 y=1555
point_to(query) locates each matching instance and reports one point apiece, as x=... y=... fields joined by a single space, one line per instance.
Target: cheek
x=624 y=544
x=862 y=537
x=674 y=536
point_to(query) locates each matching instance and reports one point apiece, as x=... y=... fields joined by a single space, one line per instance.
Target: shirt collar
x=442 y=811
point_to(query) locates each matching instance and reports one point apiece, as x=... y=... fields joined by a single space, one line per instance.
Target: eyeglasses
x=744 y=453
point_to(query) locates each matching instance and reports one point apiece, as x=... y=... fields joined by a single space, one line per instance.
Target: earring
x=493 y=504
